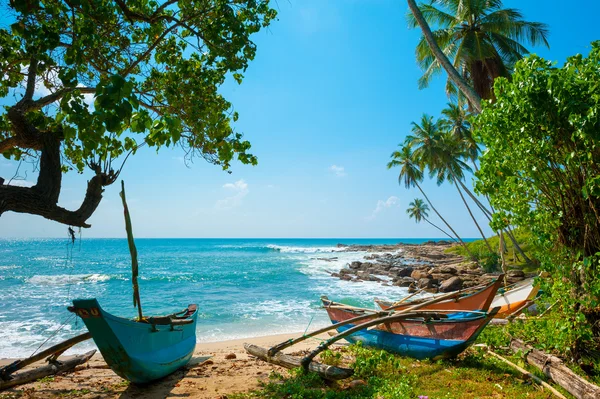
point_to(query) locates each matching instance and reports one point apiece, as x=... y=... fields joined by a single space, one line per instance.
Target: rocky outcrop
x=417 y=266
x=452 y=284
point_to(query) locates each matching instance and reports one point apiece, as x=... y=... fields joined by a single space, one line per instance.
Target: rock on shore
x=417 y=266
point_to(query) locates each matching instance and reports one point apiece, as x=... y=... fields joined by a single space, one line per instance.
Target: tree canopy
x=541 y=169
x=154 y=70
x=482 y=39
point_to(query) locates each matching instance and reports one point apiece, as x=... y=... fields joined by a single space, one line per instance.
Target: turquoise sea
x=244 y=287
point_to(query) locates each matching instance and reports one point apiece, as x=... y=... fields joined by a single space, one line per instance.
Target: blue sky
x=331 y=93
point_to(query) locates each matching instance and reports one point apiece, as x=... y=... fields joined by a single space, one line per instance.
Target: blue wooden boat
x=418 y=337
x=141 y=351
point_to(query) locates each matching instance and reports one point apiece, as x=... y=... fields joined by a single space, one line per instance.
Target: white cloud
x=338 y=170
x=392 y=201
x=239 y=189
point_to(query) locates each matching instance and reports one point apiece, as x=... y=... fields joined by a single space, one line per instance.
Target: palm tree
x=464 y=87
x=442 y=154
x=411 y=174
x=482 y=39
x=448 y=164
x=418 y=210
x=455 y=119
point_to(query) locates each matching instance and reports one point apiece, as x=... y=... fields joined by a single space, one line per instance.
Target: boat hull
x=406 y=345
x=515 y=298
x=416 y=338
x=139 y=352
x=480 y=300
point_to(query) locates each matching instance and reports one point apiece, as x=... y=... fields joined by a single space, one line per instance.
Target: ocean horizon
x=244 y=287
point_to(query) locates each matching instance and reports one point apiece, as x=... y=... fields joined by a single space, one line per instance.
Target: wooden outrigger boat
x=145 y=349
x=364 y=320
x=141 y=351
x=423 y=336
x=512 y=300
x=515 y=298
x=480 y=300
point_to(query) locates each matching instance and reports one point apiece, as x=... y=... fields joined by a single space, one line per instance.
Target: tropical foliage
x=154 y=71
x=541 y=169
x=482 y=39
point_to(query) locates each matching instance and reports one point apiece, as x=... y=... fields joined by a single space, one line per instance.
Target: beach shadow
x=164 y=387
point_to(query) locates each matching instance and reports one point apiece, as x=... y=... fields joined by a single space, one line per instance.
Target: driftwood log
x=52 y=368
x=54 y=351
x=554 y=368
x=290 y=362
x=527 y=374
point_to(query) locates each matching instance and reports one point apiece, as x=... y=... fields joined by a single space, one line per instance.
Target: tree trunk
x=50 y=369
x=453 y=74
x=488 y=214
x=446 y=223
x=554 y=368
x=471 y=213
x=440 y=229
x=485 y=211
x=42 y=199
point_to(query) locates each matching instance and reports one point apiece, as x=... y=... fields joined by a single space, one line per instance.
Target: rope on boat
x=53 y=334
x=309 y=323
x=69 y=265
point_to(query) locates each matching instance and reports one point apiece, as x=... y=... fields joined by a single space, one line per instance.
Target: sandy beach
x=214 y=372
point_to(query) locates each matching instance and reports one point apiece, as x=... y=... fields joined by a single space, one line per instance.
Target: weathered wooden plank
x=554 y=368
x=44 y=371
x=290 y=362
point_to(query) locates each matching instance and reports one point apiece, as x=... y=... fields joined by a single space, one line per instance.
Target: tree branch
x=49 y=99
x=131 y=67
x=31 y=76
x=29 y=200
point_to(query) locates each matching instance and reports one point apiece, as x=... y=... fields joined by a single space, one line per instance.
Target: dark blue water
x=244 y=287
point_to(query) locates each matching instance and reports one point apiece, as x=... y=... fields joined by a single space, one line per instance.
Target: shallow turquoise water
x=244 y=287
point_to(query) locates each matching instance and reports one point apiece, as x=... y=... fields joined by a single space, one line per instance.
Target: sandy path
x=209 y=375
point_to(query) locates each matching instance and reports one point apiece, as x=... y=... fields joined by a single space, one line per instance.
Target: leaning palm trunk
x=446 y=223
x=471 y=213
x=440 y=229
x=489 y=214
x=453 y=74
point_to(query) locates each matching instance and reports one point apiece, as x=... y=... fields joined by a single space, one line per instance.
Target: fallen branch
x=290 y=362
x=527 y=374
x=54 y=367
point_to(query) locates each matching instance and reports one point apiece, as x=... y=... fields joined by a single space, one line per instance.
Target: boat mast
x=133 y=251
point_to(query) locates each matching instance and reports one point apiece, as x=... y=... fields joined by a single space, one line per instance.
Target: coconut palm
x=442 y=154
x=482 y=39
x=418 y=210
x=448 y=165
x=464 y=87
x=455 y=119
x=411 y=174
